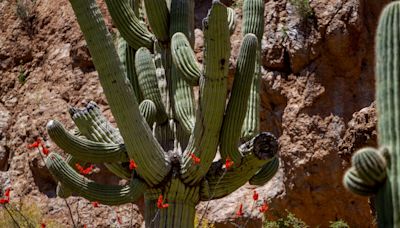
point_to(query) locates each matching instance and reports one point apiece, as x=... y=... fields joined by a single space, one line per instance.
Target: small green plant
x=339 y=224
x=303 y=8
x=24 y=214
x=290 y=221
x=21 y=75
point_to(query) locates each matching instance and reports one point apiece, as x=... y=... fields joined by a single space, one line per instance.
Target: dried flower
x=42 y=225
x=36 y=144
x=95 y=204
x=228 y=163
x=84 y=171
x=264 y=207
x=255 y=196
x=132 y=164
x=160 y=203
x=196 y=160
x=240 y=212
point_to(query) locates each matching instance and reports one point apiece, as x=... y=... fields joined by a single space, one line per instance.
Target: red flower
x=264 y=207
x=84 y=226
x=42 y=225
x=4 y=200
x=228 y=163
x=160 y=203
x=7 y=192
x=119 y=220
x=240 y=212
x=195 y=159
x=84 y=171
x=132 y=164
x=45 y=151
x=95 y=204
x=36 y=144
x=255 y=196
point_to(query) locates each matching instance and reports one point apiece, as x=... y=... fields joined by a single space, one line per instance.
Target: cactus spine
x=148 y=84
x=376 y=172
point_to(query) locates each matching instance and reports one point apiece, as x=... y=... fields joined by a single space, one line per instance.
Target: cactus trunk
x=377 y=172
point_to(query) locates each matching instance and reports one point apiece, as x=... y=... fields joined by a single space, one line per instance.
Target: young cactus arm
x=149 y=111
x=182 y=20
x=131 y=73
x=130 y=27
x=253 y=22
x=237 y=106
x=146 y=71
x=158 y=17
x=153 y=165
x=184 y=58
x=84 y=149
x=61 y=190
x=266 y=173
x=231 y=20
x=93 y=124
x=213 y=89
x=105 y=194
x=220 y=182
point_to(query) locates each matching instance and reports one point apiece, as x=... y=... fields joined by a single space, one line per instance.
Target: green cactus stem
x=172 y=140
x=265 y=173
x=185 y=59
x=105 y=194
x=377 y=172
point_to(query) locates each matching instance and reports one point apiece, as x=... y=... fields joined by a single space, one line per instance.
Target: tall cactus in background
x=377 y=172
x=149 y=83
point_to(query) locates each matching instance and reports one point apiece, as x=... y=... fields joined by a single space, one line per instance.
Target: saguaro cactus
x=377 y=172
x=148 y=84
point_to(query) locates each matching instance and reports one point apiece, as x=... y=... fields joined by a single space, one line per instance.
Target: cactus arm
x=158 y=17
x=388 y=103
x=253 y=22
x=141 y=146
x=105 y=194
x=130 y=27
x=184 y=58
x=61 y=190
x=213 y=89
x=84 y=149
x=149 y=111
x=182 y=20
x=237 y=106
x=160 y=60
x=265 y=173
x=131 y=72
x=146 y=71
x=231 y=20
x=257 y=152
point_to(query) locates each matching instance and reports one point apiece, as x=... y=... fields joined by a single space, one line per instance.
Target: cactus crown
x=148 y=81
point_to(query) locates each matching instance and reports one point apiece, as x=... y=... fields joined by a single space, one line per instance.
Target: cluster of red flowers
x=6 y=198
x=84 y=171
x=228 y=163
x=196 y=160
x=160 y=203
x=263 y=208
x=132 y=164
x=38 y=143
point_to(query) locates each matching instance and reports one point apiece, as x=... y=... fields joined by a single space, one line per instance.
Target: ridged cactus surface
x=377 y=172
x=165 y=143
